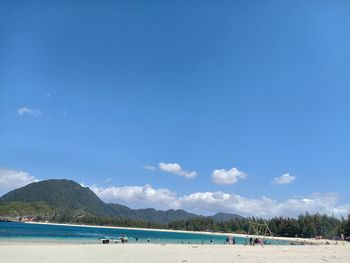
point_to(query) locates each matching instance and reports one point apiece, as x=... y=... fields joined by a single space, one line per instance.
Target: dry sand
x=135 y=253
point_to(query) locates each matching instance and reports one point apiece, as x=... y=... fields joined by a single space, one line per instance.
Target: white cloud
x=212 y=202
x=176 y=168
x=28 y=111
x=284 y=179
x=231 y=176
x=149 y=168
x=208 y=203
x=12 y=179
x=138 y=196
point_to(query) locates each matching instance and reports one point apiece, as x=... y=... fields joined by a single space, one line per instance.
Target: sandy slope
x=33 y=253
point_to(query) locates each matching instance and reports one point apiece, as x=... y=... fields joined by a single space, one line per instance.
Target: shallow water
x=11 y=231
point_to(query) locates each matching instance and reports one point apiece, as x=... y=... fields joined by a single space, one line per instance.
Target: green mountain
x=219 y=217
x=34 y=209
x=66 y=197
x=65 y=200
x=150 y=214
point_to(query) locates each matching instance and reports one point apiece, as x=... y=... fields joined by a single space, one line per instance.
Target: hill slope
x=151 y=214
x=225 y=217
x=69 y=199
x=66 y=197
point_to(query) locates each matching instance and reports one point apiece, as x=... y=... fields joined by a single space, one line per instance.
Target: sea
x=33 y=232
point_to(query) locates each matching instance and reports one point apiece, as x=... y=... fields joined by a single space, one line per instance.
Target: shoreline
x=306 y=241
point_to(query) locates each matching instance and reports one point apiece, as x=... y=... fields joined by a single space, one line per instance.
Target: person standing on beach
x=256 y=241
x=261 y=242
x=251 y=241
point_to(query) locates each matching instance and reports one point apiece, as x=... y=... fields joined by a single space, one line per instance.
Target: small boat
x=107 y=240
x=124 y=239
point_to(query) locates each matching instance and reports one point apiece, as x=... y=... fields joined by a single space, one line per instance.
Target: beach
x=183 y=253
x=295 y=240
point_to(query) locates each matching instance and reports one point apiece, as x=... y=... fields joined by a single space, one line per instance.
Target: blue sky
x=239 y=93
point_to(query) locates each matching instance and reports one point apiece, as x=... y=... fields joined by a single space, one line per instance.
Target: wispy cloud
x=207 y=203
x=222 y=176
x=12 y=179
x=62 y=113
x=283 y=179
x=29 y=111
x=149 y=167
x=176 y=168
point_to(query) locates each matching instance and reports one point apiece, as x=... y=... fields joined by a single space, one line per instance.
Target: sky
x=208 y=106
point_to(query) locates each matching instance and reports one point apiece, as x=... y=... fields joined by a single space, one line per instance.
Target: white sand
x=95 y=253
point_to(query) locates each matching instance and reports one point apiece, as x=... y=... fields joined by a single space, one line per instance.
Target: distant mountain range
x=219 y=217
x=68 y=199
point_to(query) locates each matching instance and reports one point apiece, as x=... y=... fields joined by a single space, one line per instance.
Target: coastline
x=49 y=251
x=308 y=241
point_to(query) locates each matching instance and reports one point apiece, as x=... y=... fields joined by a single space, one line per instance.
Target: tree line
x=306 y=226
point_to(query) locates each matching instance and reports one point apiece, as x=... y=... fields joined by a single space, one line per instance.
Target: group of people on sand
x=230 y=240
x=256 y=241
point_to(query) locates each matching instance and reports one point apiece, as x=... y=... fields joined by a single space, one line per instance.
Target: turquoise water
x=80 y=234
